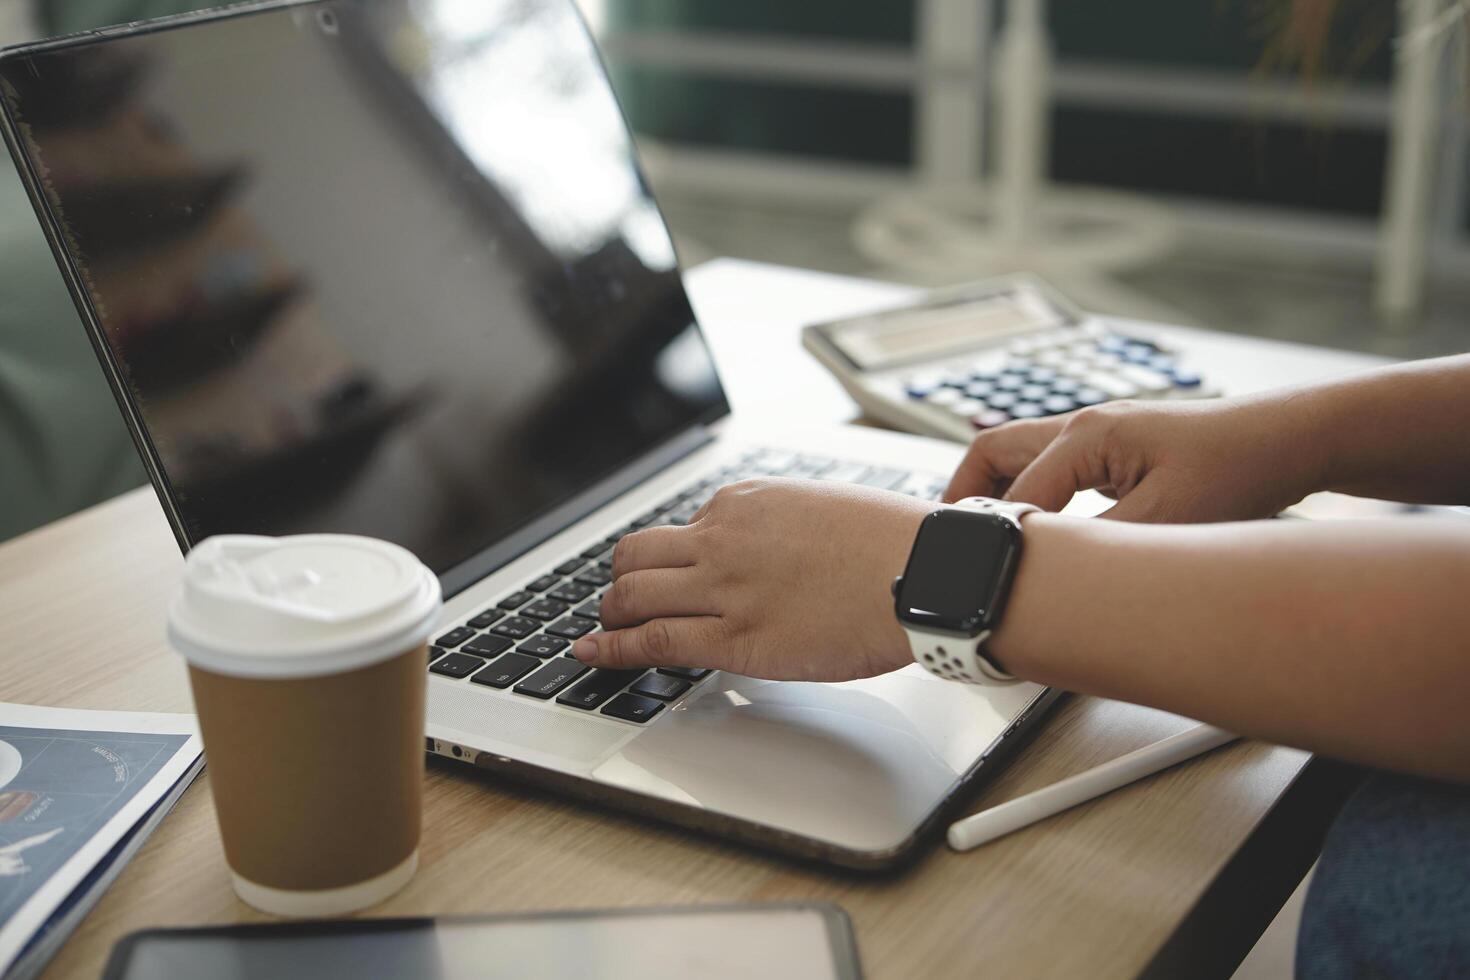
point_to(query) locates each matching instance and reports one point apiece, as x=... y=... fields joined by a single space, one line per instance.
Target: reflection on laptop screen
x=383 y=267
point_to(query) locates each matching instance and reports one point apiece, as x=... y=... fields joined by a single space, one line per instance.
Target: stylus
x=987 y=825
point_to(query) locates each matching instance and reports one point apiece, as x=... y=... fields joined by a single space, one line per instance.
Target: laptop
x=390 y=267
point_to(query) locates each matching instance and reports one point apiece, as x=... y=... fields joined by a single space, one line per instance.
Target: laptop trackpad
x=859 y=764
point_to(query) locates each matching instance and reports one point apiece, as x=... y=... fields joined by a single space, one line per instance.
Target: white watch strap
x=963 y=658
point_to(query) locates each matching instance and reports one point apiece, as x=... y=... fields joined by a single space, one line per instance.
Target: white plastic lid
x=301 y=606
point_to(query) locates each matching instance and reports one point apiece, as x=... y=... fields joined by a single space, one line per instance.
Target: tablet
x=774 y=942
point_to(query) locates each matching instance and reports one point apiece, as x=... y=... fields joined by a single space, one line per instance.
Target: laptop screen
x=384 y=267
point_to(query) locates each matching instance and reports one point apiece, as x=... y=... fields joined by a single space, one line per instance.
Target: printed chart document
x=79 y=793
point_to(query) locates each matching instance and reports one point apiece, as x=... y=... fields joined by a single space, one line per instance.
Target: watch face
x=958 y=572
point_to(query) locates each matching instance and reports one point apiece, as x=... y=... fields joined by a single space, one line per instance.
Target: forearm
x=1401 y=433
x=1352 y=640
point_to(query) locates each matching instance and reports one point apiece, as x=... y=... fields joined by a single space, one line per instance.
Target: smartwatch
x=950 y=596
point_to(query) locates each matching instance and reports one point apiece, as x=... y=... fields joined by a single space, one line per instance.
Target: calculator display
x=944 y=328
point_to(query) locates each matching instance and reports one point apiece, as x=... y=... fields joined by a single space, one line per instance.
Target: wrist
x=1012 y=646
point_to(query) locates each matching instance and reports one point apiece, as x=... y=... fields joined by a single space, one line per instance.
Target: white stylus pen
x=987 y=825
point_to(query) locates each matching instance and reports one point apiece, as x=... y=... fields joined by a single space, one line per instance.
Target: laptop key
x=486 y=645
x=596 y=551
x=457 y=665
x=435 y=653
x=544 y=608
x=688 y=673
x=518 y=599
x=543 y=583
x=594 y=576
x=454 y=637
x=506 y=671
x=571 y=592
x=590 y=692
x=660 y=686
x=589 y=610
x=569 y=566
x=572 y=627
x=551 y=678
x=542 y=646
x=517 y=627
x=487 y=618
x=630 y=707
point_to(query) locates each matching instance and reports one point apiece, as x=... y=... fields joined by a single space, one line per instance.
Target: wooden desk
x=1097 y=892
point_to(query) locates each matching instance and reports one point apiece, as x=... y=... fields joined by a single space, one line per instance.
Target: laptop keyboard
x=522 y=642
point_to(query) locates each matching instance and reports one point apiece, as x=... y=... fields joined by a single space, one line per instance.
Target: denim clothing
x=1391 y=896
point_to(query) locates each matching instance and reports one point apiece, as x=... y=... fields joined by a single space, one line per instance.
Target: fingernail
x=584 y=649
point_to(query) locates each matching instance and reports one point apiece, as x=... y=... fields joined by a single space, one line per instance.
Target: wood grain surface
x=1093 y=892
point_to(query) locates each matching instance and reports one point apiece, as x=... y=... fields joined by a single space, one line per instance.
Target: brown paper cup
x=318 y=783
x=306 y=656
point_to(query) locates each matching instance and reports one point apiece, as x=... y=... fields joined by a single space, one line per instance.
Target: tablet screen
x=772 y=942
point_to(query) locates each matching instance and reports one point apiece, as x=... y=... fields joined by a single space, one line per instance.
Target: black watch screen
x=958 y=572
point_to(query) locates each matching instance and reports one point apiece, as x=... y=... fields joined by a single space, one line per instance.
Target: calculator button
x=954 y=379
x=1002 y=400
x=945 y=396
x=979 y=389
x=1042 y=375
x=1138 y=353
x=1146 y=378
x=990 y=418
x=1115 y=386
x=1057 y=404
x=1077 y=367
x=1112 y=343
x=1065 y=386
x=1163 y=363
x=1027 y=410
x=967 y=407
x=1051 y=358
x=1011 y=382
x=1090 y=396
x=1033 y=393
x=1187 y=379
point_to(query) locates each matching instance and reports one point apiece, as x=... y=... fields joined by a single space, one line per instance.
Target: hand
x=781 y=579
x=1165 y=462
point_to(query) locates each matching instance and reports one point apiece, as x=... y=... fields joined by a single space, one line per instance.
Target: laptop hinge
x=507 y=549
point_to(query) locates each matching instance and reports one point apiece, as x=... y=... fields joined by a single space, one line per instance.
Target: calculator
x=972 y=357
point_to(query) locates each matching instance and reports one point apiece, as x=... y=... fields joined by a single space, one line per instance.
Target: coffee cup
x=306 y=658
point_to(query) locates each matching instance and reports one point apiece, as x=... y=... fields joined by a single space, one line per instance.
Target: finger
x=653 y=547
x=650 y=593
x=1148 y=503
x=998 y=456
x=1065 y=467
x=697 y=641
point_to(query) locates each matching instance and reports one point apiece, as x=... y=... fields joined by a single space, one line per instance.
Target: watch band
x=958 y=658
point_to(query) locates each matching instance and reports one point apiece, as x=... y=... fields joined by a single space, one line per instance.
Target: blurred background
x=1190 y=161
